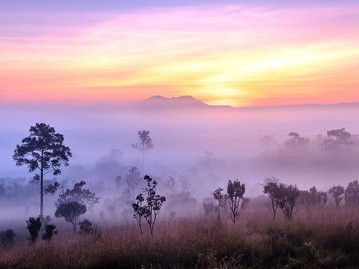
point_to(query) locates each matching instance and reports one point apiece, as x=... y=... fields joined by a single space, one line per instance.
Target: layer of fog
x=201 y=149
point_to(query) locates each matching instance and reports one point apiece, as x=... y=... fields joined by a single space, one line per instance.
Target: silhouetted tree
x=335 y=138
x=70 y=211
x=271 y=189
x=151 y=208
x=312 y=198
x=33 y=226
x=218 y=196
x=351 y=194
x=288 y=195
x=49 y=232
x=295 y=141
x=72 y=203
x=337 y=192
x=139 y=209
x=235 y=191
x=145 y=144
x=43 y=151
x=132 y=179
x=282 y=196
x=222 y=200
x=78 y=194
x=7 y=238
x=86 y=227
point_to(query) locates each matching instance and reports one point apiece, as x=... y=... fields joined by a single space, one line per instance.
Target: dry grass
x=256 y=241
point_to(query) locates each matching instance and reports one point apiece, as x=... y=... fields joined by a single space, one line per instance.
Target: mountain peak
x=186 y=101
x=158 y=102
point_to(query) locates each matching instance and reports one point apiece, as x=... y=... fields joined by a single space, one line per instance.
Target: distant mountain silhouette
x=159 y=102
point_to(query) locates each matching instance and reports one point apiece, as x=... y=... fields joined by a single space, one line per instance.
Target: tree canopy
x=43 y=152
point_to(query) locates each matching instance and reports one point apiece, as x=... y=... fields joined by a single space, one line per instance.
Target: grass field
x=256 y=241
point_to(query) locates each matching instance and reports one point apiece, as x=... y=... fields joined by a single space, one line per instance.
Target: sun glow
x=234 y=55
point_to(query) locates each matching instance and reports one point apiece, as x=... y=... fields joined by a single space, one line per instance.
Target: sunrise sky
x=239 y=53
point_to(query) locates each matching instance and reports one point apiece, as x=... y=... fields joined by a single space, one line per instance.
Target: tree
x=351 y=194
x=218 y=196
x=296 y=141
x=139 y=209
x=70 y=211
x=312 y=198
x=287 y=198
x=33 y=226
x=43 y=152
x=222 y=200
x=282 y=196
x=235 y=191
x=271 y=189
x=153 y=203
x=78 y=194
x=145 y=144
x=7 y=238
x=337 y=192
x=86 y=227
x=72 y=203
x=336 y=137
x=132 y=180
x=50 y=231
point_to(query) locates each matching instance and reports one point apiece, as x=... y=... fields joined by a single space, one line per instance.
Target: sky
x=239 y=53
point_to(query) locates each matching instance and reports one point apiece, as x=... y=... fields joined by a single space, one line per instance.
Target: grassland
x=323 y=241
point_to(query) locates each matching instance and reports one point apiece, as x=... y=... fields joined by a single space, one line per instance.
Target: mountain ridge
x=158 y=102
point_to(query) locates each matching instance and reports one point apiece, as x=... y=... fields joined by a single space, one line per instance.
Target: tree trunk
x=42 y=187
x=143 y=160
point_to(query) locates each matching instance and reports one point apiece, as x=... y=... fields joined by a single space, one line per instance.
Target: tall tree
x=145 y=143
x=235 y=191
x=43 y=152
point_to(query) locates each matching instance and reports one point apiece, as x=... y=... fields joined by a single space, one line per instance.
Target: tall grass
x=256 y=241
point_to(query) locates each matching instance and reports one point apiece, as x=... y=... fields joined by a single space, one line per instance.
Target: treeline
x=43 y=152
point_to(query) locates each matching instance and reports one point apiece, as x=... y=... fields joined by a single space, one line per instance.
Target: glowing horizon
x=229 y=54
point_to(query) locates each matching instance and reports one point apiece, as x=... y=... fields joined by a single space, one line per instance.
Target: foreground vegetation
x=329 y=239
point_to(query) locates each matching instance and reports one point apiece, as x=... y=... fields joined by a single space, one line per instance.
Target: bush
x=34 y=226
x=7 y=238
x=50 y=231
x=86 y=227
